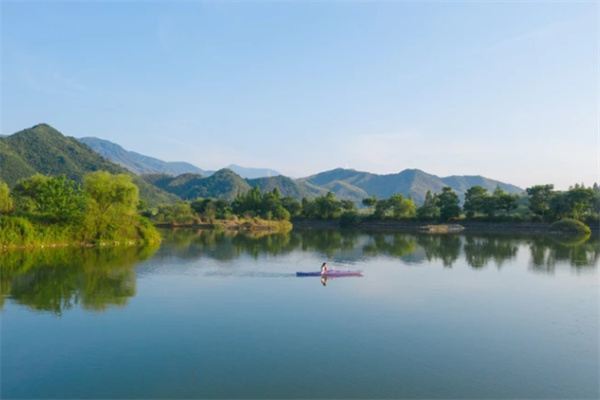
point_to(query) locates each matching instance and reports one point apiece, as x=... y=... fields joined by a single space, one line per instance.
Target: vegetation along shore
x=106 y=209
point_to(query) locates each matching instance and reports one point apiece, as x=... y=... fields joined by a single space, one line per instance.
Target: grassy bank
x=20 y=232
x=235 y=224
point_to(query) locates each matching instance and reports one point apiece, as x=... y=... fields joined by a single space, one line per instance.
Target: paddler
x=324 y=268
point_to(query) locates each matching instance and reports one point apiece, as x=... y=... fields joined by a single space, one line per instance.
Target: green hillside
x=224 y=184
x=43 y=149
x=285 y=185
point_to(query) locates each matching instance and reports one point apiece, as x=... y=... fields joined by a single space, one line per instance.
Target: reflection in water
x=55 y=280
x=479 y=249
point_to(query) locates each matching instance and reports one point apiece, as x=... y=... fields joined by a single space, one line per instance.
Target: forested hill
x=224 y=184
x=43 y=149
x=138 y=163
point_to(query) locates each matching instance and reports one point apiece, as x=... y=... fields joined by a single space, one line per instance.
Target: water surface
x=214 y=315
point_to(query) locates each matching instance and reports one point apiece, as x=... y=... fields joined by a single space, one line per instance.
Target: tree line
x=539 y=203
x=106 y=207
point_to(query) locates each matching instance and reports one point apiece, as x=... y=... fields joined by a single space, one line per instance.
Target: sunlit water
x=210 y=315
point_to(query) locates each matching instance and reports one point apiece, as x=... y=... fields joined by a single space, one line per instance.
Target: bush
x=570 y=226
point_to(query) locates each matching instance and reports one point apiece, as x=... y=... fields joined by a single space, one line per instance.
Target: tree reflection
x=394 y=244
x=445 y=247
x=480 y=250
x=547 y=252
x=55 y=280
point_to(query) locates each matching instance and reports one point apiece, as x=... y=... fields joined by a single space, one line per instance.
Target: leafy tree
x=291 y=205
x=370 y=201
x=429 y=209
x=111 y=205
x=539 y=197
x=348 y=205
x=6 y=202
x=581 y=201
x=177 y=214
x=474 y=201
x=504 y=201
x=381 y=208
x=57 y=198
x=328 y=206
x=402 y=207
x=449 y=204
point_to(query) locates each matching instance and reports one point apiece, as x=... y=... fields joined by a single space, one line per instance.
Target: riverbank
x=433 y=227
x=255 y=224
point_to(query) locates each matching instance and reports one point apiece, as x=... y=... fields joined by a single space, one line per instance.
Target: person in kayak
x=324 y=268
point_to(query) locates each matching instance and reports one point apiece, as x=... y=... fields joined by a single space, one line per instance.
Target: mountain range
x=45 y=150
x=140 y=164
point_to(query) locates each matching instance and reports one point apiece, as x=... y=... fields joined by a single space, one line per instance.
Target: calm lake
x=216 y=315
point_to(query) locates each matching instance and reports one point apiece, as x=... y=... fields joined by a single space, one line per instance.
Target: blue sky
x=507 y=90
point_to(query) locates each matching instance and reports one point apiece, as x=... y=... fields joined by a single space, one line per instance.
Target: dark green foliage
x=430 y=209
x=539 y=197
x=267 y=205
x=57 y=199
x=448 y=203
x=475 y=201
x=224 y=184
x=322 y=207
x=176 y=214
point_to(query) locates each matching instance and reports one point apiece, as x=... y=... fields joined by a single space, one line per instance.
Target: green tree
x=56 y=198
x=474 y=201
x=177 y=214
x=539 y=197
x=348 y=205
x=504 y=201
x=449 y=204
x=370 y=201
x=328 y=206
x=111 y=205
x=6 y=202
x=429 y=210
x=402 y=207
x=291 y=205
x=581 y=201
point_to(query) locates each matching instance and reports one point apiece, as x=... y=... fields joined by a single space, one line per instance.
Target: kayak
x=331 y=273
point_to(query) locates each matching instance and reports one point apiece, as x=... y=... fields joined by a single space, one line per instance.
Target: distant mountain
x=138 y=163
x=43 y=149
x=353 y=185
x=224 y=184
x=252 y=173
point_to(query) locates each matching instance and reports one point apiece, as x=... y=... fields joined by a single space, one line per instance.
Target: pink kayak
x=331 y=273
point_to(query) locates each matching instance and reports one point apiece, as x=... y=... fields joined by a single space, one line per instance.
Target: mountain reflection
x=55 y=280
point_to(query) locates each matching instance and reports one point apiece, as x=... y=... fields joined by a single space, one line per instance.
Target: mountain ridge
x=44 y=149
